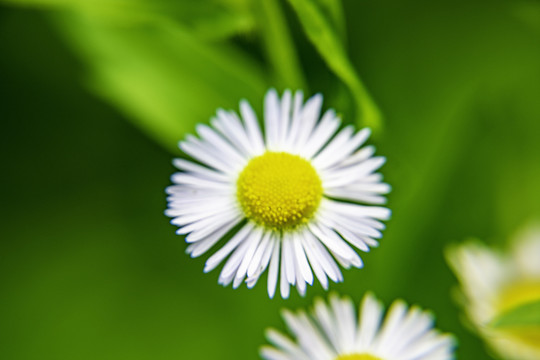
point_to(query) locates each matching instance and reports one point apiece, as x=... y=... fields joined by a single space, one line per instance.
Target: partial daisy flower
x=493 y=282
x=293 y=198
x=332 y=332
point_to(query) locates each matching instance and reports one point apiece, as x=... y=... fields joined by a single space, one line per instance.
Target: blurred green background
x=95 y=94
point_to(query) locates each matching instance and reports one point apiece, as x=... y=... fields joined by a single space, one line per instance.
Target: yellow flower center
x=358 y=357
x=279 y=190
x=516 y=294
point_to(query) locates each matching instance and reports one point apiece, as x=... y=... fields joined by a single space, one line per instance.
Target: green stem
x=335 y=13
x=367 y=111
x=327 y=42
x=279 y=47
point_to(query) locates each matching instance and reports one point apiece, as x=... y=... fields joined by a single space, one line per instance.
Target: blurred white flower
x=332 y=332
x=494 y=282
x=287 y=198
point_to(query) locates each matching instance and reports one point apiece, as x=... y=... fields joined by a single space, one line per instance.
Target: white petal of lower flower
x=295 y=197
x=332 y=332
x=370 y=317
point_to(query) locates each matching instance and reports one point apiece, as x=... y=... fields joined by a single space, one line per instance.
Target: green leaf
x=327 y=42
x=523 y=315
x=160 y=75
x=278 y=45
x=334 y=9
x=209 y=19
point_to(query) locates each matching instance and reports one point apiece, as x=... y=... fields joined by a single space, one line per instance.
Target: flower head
x=494 y=282
x=333 y=333
x=292 y=198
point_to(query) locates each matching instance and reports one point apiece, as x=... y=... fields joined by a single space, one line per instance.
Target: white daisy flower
x=333 y=333
x=494 y=282
x=287 y=199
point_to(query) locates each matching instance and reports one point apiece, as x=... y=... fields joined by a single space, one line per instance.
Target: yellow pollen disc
x=516 y=294
x=279 y=190
x=357 y=357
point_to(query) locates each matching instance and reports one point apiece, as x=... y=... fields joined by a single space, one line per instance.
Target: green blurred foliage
x=331 y=48
x=209 y=19
x=521 y=317
x=90 y=267
x=145 y=69
x=183 y=49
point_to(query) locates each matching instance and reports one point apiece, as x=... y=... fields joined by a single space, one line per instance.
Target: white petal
x=331 y=240
x=333 y=154
x=369 y=319
x=207 y=155
x=284 y=117
x=324 y=258
x=198 y=248
x=315 y=264
x=296 y=123
x=262 y=249
x=271 y=119
x=356 y=226
x=283 y=282
x=300 y=257
x=344 y=193
x=201 y=207
x=308 y=119
x=352 y=174
x=283 y=342
x=184 y=219
x=334 y=149
x=356 y=158
x=207 y=225
x=197 y=181
x=209 y=174
x=358 y=211
x=222 y=253
x=233 y=262
x=231 y=128
x=287 y=257
x=252 y=128
x=227 y=149
x=264 y=261
x=324 y=131
x=391 y=324
x=254 y=241
x=274 y=267
x=328 y=323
